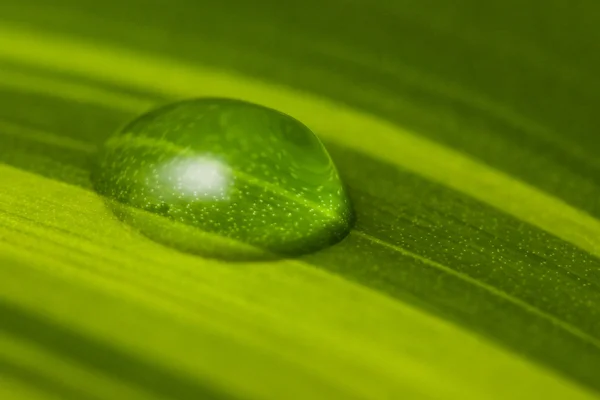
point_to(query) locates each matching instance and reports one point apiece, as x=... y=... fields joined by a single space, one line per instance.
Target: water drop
x=224 y=178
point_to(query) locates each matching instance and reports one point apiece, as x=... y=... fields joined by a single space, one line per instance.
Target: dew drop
x=224 y=178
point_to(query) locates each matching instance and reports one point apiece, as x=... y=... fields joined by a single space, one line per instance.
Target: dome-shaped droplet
x=224 y=178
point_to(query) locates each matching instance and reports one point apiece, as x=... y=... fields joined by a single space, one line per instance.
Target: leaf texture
x=473 y=263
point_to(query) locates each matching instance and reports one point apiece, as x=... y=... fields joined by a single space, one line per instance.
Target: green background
x=467 y=134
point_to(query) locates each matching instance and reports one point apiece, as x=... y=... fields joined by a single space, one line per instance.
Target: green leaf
x=472 y=271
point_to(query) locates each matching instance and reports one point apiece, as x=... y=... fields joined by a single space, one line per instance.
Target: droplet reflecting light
x=224 y=178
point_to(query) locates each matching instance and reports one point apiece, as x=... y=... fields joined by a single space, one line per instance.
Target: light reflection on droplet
x=224 y=178
x=198 y=178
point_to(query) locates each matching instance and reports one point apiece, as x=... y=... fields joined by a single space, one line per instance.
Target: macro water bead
x=224 y=178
